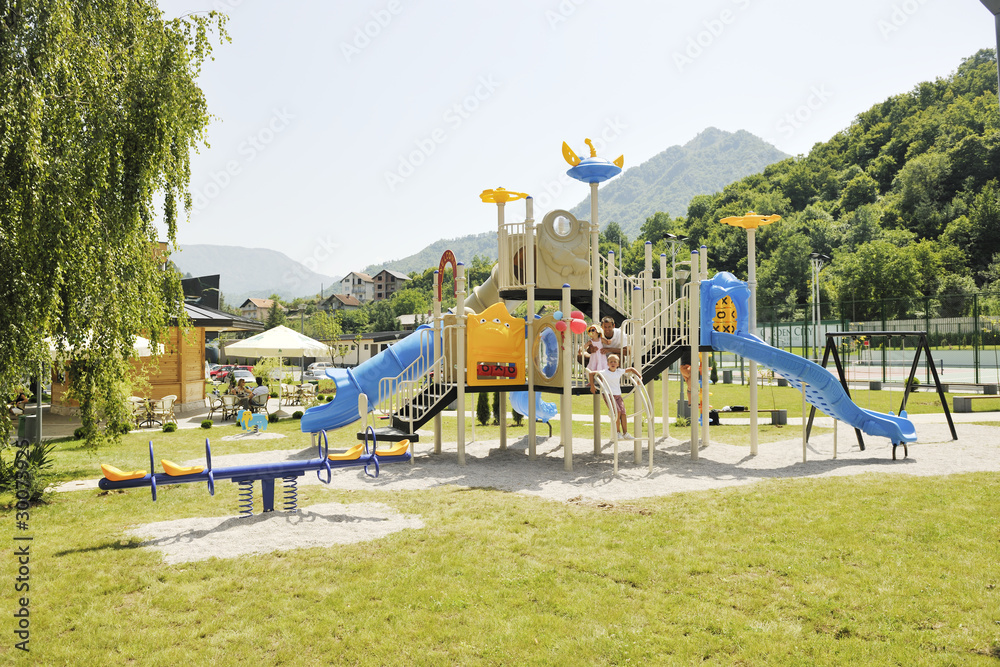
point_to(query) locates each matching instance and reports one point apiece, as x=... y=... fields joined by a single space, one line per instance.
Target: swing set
x=922 y=347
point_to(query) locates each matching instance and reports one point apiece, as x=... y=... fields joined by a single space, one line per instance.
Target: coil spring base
x=291 y=494
x=246 y=497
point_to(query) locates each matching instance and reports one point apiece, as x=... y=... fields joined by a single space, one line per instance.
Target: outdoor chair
x=214 y=404
x=139 y=409
x=307 y=393
x=163 y=409
x=258 y=403
x=228 y=406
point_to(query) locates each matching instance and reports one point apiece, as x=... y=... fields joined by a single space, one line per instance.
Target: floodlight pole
x=994 y=7
x=816 y=260
x=996 y=19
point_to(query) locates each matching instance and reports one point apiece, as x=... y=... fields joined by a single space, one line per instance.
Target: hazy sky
x=351 y=133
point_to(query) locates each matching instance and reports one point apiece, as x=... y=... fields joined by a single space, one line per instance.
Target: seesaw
x=288 y=471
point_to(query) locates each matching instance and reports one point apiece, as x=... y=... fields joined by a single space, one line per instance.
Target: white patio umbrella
x=278 y=342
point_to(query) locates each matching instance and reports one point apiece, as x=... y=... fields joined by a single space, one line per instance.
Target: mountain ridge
x=674 y=176
x=251 y=272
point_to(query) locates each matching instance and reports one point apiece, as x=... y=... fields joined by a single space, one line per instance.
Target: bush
x=274 y=394
x=169 y=427
x=206 y=423
x=682 y=422
x=273 y=418
x=483 y=408
x=320 y=397
x=297 y=414
x=517 y=416
x=498 y=411
x=329 y=398
x=38 y=457
x=79 y=433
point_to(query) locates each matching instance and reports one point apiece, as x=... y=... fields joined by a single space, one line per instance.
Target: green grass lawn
x=867 y=569
x=872 y=569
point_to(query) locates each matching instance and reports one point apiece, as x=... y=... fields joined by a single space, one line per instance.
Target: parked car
x=235 y=375
x=317 y=371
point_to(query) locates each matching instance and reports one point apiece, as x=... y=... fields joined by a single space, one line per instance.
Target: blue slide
x=364 y=378
x=544 y=411
x=822 y=389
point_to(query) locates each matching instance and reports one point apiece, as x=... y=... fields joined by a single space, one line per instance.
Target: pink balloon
x=578 y=326
x=560 y=325
x=576 y=315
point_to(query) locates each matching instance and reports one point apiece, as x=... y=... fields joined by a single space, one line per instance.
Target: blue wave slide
x=823 y=390
x=544 y=411
x=364 y=378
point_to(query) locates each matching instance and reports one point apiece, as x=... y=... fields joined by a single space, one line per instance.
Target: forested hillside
x=670 y=179
x=906 y=201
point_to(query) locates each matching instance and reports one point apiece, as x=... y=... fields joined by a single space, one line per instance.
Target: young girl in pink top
x=597 y=361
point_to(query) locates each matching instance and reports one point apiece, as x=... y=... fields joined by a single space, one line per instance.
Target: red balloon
x=560 y=325
x=578 y=326
x=576 y=315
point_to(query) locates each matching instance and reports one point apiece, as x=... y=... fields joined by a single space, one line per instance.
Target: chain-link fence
x=963 y=333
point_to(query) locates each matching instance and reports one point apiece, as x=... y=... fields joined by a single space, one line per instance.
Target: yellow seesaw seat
x=351 y=454
x=396 y=450
x=115 y=475
x=175 y=470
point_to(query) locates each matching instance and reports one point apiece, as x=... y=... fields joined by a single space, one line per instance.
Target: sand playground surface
x=591 y=480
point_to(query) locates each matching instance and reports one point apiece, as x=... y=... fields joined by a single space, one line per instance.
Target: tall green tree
x=276 y=316
x=99 y=111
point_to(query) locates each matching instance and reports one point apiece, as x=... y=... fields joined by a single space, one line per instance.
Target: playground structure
x=480 y=346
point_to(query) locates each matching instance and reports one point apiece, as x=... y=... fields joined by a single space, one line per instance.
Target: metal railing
x=419 y=386
x=512 y=240
x=646 y=411
x=616 y=287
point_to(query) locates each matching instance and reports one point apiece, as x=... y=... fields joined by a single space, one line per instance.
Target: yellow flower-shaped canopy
x=750 y=221
x=501 y=196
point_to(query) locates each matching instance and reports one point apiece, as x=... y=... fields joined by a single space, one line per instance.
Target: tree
x=499 y=411
x=324 y=327
x=878 y=274
x=483 y=408
x=409 y=301
x=381 y=316
x=276 y=316
x=99 y=110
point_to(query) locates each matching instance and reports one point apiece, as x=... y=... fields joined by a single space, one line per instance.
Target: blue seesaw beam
x=358 y=456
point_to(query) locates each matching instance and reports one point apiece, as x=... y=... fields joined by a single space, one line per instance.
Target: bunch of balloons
x=575 y=322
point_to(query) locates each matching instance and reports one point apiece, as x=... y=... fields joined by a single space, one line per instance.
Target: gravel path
x=718 y=465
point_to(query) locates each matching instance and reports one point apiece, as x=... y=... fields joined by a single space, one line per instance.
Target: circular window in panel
x=547 y=352
x=562 y=226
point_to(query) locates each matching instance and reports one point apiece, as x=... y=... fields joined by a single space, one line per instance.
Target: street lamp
x=994 y=7
x=816 y=260
x=673 y=240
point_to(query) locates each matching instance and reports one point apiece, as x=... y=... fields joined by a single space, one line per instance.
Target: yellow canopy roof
x=500 y=196
x=750 y=221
